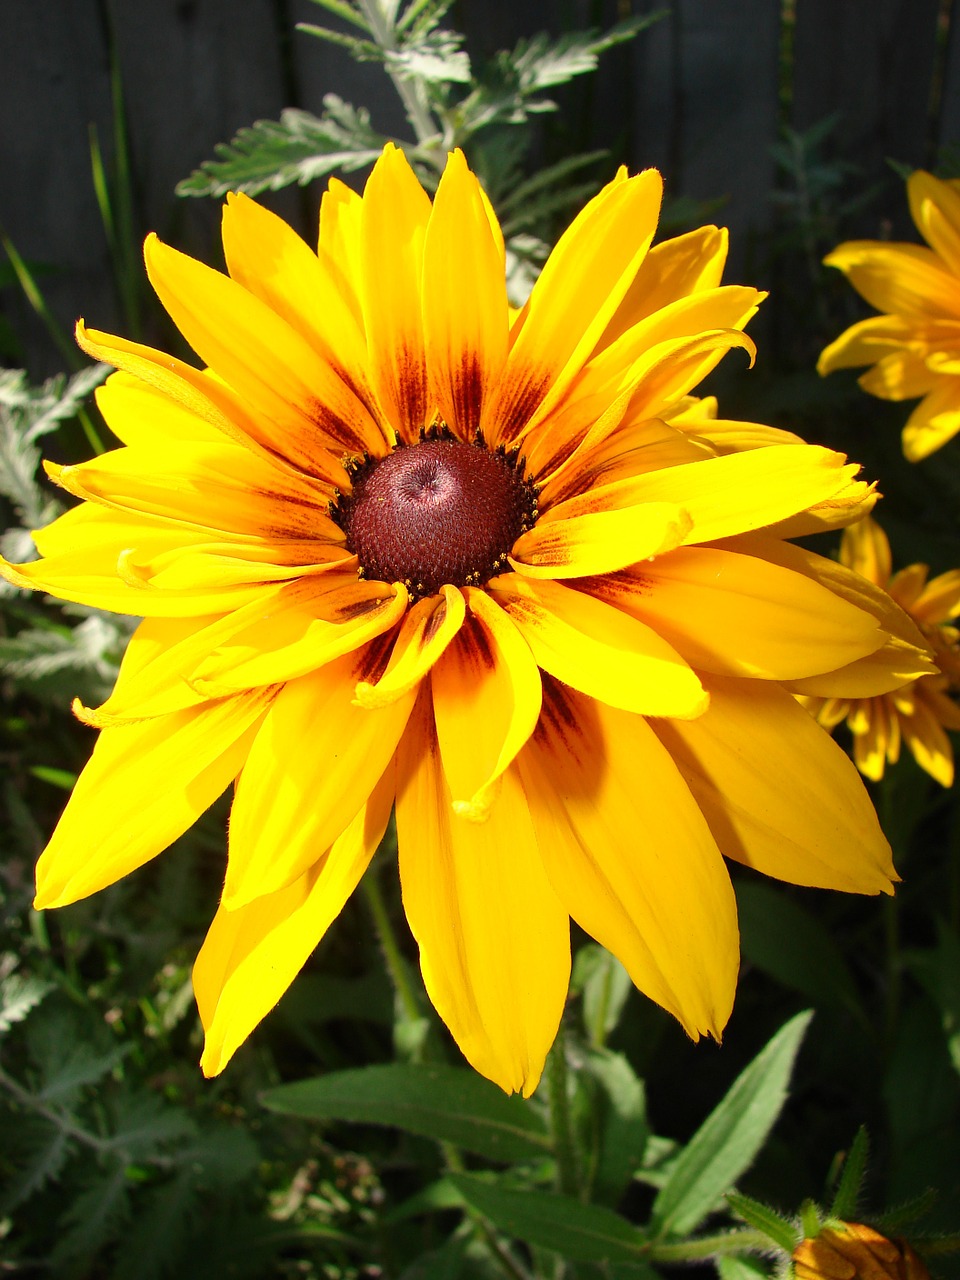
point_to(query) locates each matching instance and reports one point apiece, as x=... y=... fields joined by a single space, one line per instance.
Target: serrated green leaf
x=445 y=1103
x=435 y=58
x=361 y=50
x=578 y=1232
x=726 y=1144
x=19 y=993
x=144 y=1122
x=93 y=1218
x=81 y=1066
x=779 y=1229
x=163 y=1229
x=42 y=1152
x=345 y=10
x=298 y=147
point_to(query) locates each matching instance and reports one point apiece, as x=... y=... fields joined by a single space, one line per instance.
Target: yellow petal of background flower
x=765 y=621
x=903 y=279
x=866 y=341
x=865 y=549
x=931 y=747
x=934 y=421
x=631 y=857
x=779 y=794
x=940 y=599
x=599 y=542
x=935 y=208
x=493 y=937
x=393 y=224
x=424 y=635
x=250 y=956
x=595 y=648
x=486 y=700
x=144 y=785
x=464 y=300
x=312 y=765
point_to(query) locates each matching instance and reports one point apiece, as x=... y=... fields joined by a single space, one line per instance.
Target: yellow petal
x=270 y=260
x=902 y=279
x=930 y=746
x=426 y=631
x=268 y=362
x=310 y=629
x=493 y=938
x=935 y=208
x=142 y=416
x=599 y=650
x=870 y=740
x=250 y=956
x=339 y=244
x=672 y=269
x=144 y=785
x=779 y=794
x=866 y=342
x=940 y=599
x=934 y=421
x=902 y=375
x=599 y=542
x=311 y=768
x=764 y=620
x=393 y=224
x=217 y=486
x=578 y=291
x=211 y=399
x=486 y=700
x=865 y=549
x=631 y=857
x=730 y=495
x=84 y=556
x=464 y=300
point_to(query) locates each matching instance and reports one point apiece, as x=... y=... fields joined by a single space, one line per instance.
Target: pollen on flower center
x=440 y=511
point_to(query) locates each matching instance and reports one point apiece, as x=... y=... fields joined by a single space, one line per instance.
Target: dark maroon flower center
x=436 y=512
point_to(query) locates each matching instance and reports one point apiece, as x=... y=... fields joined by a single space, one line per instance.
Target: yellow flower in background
x=394 y=547
x=917 y=713
x=852 y=1251
x=914 y=347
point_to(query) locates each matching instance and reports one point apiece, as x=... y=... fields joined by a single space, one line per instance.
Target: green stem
x=561 y=1126
x=416 y=109
x=727 y=1242
x=386 y=934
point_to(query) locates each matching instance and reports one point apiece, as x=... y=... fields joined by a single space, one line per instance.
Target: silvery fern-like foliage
x=44 y=650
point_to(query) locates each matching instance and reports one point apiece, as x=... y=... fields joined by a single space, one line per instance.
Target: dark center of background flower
x=436 y=512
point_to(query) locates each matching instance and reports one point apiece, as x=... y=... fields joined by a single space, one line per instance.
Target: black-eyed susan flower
x=914 y=347
x=917 y=713
x=396 y=546
x=853 y=1251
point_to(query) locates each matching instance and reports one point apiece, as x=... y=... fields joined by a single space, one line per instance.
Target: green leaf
x=448 y=1104
x=765 y=1219
x=578 y=1232
x=19 y=993
x=846 y=1200
x=621 y=1113
x=345 y=10
x=41 y=1152
x=82 y=1066
x=727 y=1143
x=298 y=147
x=360 y=50
x=786 y=941
x=93 y=1218
x=435 y=58
x=938 y=970
x=605 y=985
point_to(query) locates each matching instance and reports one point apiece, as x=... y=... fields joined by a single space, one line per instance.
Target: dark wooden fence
x=704 y=95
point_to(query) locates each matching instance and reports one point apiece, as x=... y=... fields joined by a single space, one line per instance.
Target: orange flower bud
x=851 y=1251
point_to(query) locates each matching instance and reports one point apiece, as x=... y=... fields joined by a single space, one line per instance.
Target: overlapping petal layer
x=579 y=723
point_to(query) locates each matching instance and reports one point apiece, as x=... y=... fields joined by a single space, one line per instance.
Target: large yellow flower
x=917 y=713
x=392 y=548
x=914 y=347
